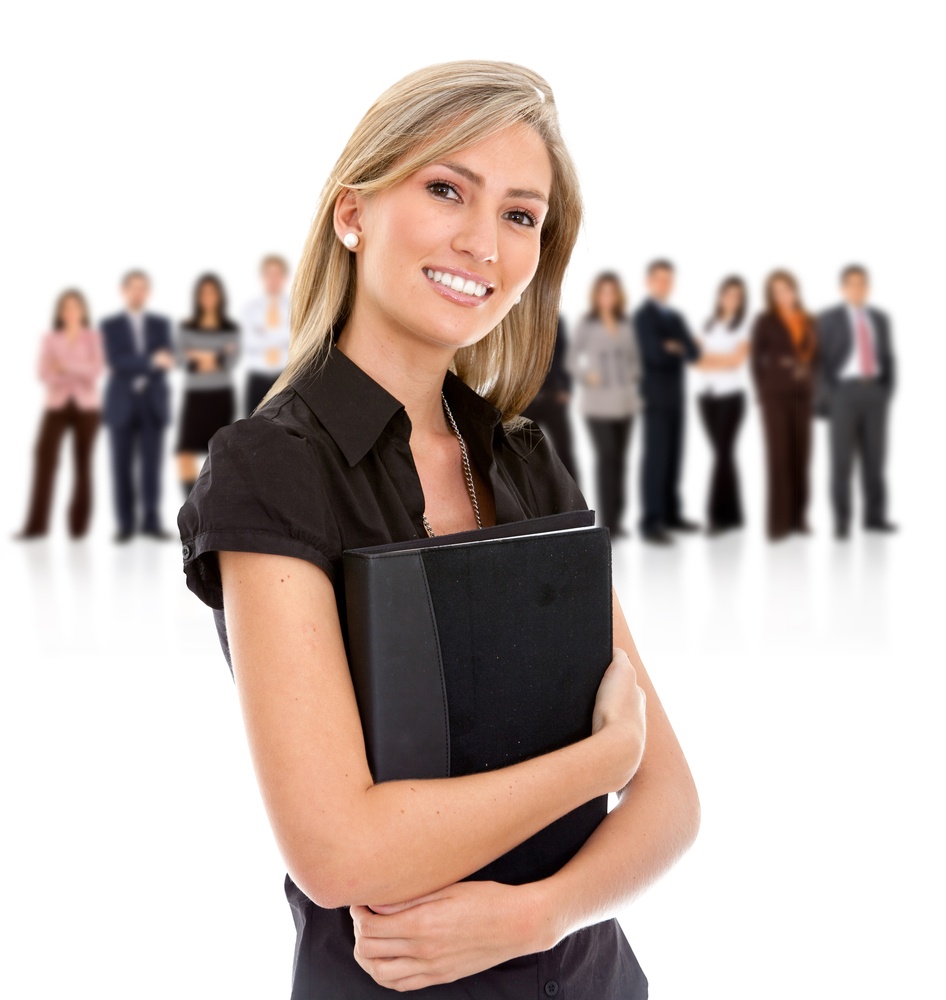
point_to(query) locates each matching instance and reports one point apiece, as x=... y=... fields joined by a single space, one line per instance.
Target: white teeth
x=466 y=285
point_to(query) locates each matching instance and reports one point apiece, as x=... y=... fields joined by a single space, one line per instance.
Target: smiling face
x=444 y=254
x=784 y=295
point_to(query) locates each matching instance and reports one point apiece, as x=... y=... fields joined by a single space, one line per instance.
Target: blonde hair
x=422 y=118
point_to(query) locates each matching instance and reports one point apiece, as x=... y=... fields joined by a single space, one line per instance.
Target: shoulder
x=532 y=461
x=109 y=324
x=261 y=490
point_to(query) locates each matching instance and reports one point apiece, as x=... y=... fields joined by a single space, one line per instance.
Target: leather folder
x=476 y=650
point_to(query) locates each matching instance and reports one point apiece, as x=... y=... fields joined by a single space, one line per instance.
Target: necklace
x=467 y=471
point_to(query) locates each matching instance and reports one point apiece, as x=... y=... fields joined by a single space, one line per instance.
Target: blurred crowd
x=838 y=364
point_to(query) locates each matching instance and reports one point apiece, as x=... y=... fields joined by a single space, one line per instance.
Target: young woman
x=603 y=358
x=423 y=313
x=70 y=366
x=207 y=347
x=724 y=348
x=784 y=353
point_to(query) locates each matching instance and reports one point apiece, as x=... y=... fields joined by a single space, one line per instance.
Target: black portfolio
x=476 y=650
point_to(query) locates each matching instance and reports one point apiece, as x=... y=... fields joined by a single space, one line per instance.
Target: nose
x=478 y=236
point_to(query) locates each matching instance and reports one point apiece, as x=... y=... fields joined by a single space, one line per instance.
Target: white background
x=804 y=680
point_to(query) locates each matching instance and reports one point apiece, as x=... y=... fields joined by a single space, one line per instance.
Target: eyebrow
x=475 y=178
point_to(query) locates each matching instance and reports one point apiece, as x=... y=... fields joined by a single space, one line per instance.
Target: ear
x=348 y=210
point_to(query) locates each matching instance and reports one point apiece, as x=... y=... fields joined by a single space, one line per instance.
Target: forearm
x=402 y=839
x=654 y=823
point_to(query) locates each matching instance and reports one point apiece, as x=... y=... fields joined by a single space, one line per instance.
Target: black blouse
x=327 y=466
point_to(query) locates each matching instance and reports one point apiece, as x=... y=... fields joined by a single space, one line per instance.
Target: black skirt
x=204 y=412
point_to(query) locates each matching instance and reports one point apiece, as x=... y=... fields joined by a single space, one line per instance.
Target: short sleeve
x=260 y=490
x=550 y=484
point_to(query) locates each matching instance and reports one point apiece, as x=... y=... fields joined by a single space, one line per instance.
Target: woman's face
x=607 y=298
x=731 y=300
x=445 y=253
x=208 y=298
x=784 y=295
x=71 y=312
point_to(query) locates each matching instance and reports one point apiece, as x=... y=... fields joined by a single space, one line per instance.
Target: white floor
x=804 y=680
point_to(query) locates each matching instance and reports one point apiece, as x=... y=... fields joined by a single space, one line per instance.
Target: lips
x=460 y=282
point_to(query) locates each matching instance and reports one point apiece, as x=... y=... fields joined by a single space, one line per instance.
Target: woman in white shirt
x=266 y=332
x=724 y=348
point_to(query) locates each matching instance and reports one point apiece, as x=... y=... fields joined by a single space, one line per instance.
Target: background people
x=549 y=409
x=70 y=366
x=603 y=358
x=207 y=347
x=855 y=385
x=137 y=406
x=666 y=345
x=724 y=347
x=783 y=357
x=265 y=332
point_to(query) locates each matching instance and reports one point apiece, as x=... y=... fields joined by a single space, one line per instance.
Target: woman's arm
x=345 y=839
x=465 y=928
x=720 y=361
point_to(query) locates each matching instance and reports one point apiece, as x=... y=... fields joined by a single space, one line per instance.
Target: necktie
x=865 y=349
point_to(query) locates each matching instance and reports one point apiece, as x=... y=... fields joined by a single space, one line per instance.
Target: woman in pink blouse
x=70 y=365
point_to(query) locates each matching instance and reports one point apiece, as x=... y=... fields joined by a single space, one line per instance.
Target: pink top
x=71 y=368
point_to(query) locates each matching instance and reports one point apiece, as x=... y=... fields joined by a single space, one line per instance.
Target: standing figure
x=855 y=385
x=784 y=350
x=666 y=345
x=70 y=366
x=724 y=348
x=265 y=333
x=137 y=406
x=207 y=348
x=549 y=409
x=603 y=358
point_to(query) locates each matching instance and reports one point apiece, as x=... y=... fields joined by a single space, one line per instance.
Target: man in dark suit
x=549 y=409
x=137 y=406
x=666 y=346
x=855 y=385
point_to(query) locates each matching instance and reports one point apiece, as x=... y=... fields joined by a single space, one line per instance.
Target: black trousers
x=138 y=441
x=722 y=418
x=786 y=417
x=661 y=466
x=257 y=385
x=611 y=440
x=552 y=417
x=84 y=425
x=858 y=423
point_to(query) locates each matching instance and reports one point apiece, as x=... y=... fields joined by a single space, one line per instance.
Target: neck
x=409 y=368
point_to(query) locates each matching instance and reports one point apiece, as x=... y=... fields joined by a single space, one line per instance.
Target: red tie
x=865 y=348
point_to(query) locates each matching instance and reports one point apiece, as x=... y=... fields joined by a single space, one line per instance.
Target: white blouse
x=720 y=339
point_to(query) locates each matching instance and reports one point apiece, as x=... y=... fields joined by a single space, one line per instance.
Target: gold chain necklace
x=467 y=471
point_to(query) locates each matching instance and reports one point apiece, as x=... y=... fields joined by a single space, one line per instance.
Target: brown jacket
x=776 y=365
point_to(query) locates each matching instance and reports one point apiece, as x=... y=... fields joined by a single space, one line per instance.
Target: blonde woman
x=424 y=315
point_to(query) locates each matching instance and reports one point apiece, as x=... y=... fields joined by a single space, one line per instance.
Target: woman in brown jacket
x=784 y=354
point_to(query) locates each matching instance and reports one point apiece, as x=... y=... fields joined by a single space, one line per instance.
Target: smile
x=465 y=287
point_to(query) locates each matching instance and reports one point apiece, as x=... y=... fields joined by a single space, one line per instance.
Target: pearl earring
x=518 y=299
x=350 y=240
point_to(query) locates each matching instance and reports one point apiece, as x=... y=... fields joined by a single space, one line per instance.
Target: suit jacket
x=772 y=346
x=664 y=371
x=836 y=340
x=127 y=365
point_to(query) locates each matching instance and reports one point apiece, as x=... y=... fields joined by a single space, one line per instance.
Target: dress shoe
x=657 y=537
x=28 y=536
x=683 y=525
x=842 y=534
x=158 y=534
x=619 y=533
x=884 y=527
x=123 y=537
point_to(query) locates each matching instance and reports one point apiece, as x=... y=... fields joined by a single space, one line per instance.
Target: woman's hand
x=446 y=935
x=620 y=713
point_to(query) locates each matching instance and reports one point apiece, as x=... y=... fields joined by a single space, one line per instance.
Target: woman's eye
x=441 y=189
x=521 y=217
